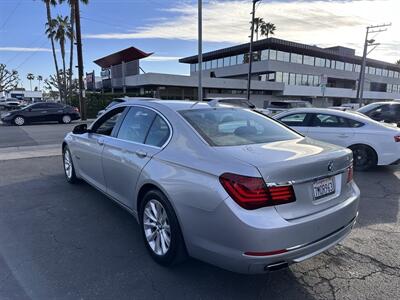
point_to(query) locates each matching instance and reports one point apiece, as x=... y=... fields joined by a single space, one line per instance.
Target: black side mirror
x=80 y=129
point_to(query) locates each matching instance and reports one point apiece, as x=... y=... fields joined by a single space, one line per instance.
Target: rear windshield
x=235 y=126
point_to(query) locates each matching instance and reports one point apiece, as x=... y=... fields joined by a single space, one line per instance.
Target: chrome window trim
x=136 y=143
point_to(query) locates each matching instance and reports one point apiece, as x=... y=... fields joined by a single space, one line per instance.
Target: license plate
x=323 y=188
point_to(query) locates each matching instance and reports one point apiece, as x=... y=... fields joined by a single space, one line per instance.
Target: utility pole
x=82 y=104
x=367 y=43
x=251 y=49
x=200 y=46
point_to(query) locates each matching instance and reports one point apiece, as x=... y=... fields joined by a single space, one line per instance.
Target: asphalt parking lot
x=59 y=241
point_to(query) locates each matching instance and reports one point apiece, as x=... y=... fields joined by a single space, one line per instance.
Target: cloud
x=23 y=49
x=162 y=58
x=326 y=23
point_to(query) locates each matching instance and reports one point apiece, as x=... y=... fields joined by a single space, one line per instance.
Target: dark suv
x=388 y=112
x=41 y=112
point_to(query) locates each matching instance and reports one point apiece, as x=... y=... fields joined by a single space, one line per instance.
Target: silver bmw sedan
x=226 y=185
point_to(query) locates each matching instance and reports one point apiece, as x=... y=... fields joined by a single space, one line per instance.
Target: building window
x=272 y=54
x=285 y=78
x=304 y=79
x=214 y=64
x=339 y=65
x=208 y=65
x=298 y=79
x=227 y=61
x=357 y=68
x=292 y=79
x=372 y=70
x=296 y=58
x=283 y=56
x=317 y=80
x=385 y=72
x=328 y=63
x=220 y=63
x=389 y=88
x=279 y=77
x=264 y=54
x=320 y=62
x=233 y=60
x=271 y=76
x=390 y=73
x=308 y=60
x=193 y=68
x=333 y=64
x=348 y=67
x=394 y=88
x=240 y=59
x=378 y=72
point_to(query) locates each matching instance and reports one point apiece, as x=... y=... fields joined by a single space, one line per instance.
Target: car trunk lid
x=302 y=163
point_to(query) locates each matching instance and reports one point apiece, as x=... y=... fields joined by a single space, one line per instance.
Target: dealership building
x=281 y=70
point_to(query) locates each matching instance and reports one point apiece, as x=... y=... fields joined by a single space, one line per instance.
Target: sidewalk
x=11 y=153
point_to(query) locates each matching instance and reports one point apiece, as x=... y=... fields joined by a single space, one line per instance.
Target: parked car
x=41 y=112
x=237 y=102
x=372 y=143
x=283 y=105
x=225 y=185
x=388 y=112
x=119 y=100
x=11 y=103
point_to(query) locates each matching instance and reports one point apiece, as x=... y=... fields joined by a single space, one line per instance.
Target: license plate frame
x=327 y=185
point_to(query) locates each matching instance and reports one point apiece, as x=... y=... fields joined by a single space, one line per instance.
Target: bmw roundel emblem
x=330 y=166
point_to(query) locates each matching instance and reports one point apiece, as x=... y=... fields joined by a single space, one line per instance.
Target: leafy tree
x=398 y=62
x=8 y=79
x=30 y=77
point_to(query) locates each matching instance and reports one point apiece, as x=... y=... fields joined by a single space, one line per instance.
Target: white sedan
x=372 y=143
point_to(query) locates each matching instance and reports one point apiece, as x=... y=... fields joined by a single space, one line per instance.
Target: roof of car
x=348 y=114
x=172 y=104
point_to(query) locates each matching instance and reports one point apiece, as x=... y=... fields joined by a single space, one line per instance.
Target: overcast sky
x=169 y=28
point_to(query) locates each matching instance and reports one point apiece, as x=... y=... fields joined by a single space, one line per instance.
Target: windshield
x=234 y=127
x=368 y=107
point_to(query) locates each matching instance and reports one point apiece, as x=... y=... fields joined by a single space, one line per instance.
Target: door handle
x=141 y=153
x=100 y=142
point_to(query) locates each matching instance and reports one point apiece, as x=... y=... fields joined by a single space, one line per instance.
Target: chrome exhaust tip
x=276 y=266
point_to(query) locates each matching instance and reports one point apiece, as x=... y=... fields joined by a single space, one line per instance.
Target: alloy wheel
x=19 y=121
x=66 y=119
x=156 y=227
x=67 y=164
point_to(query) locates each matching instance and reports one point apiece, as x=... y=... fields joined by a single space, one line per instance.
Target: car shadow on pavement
x=63 y=241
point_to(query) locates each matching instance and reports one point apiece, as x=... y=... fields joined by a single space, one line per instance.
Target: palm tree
x=39 y=78
x=258 y=22
x=398 y=62
x=267 y=29
x=50 y=3
x=60 y=29
x=30 y=77
x=71 y=3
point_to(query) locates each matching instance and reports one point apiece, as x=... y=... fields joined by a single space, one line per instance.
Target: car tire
x=19 y=121
x=69 y=169
x=66 y=119
x=365 y=158
x=159 y=225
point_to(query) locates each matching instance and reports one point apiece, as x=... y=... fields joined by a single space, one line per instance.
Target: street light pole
x=82 y=105
x=251 y=49
x=200 y=46
x=368 y=42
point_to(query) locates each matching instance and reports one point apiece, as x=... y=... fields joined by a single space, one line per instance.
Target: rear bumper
x=224 y=236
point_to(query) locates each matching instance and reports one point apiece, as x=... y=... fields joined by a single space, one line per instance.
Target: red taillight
x=397 y=138
x=76 y=109
x=350 y=173
x=252 y=193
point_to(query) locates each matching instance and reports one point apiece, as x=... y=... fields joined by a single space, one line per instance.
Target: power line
x=30 y=56
x=10 y=14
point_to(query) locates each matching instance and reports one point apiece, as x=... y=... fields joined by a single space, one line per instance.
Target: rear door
x=54 y=111
x=331 y=128
x=141 y=135
x=298 y=121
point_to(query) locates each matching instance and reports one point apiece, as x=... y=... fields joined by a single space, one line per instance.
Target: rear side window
x=136 y=125
x=295 y=119
x=235 y=126
x=158 y=134
x=325 y=120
